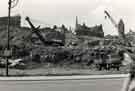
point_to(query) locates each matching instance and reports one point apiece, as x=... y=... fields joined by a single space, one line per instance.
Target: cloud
x=107 y=1
x=60 y=1
x=99 y=10
x=103 y=1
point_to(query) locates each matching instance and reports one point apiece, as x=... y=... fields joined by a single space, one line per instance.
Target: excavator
x=42 y=39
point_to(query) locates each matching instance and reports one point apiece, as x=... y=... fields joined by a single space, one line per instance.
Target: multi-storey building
x=83 y=30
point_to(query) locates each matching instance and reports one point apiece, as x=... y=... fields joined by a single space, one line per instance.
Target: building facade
x=83 y=30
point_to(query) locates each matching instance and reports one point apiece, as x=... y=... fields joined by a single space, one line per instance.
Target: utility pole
x=8 y=35
x=8 y=51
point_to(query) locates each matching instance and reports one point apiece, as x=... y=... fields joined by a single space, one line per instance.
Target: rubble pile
x=88 y=46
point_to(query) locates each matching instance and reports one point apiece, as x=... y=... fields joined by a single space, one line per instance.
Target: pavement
x=63 y=83
x=76 y=77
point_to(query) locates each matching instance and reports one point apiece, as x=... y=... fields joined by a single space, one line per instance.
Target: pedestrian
x=129 y=82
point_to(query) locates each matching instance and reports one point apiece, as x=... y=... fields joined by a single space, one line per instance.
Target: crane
x=111 y=19
x=120 y=27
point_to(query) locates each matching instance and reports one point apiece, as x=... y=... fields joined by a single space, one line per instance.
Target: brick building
x=83 y=30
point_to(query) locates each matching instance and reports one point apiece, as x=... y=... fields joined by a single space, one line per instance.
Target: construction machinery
x=120 y=27
x=42 y=39
x=112 y=59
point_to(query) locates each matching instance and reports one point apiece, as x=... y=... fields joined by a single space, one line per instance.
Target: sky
x=57 y=12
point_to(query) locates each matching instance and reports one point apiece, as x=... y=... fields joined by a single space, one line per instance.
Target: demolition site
x=50 y=48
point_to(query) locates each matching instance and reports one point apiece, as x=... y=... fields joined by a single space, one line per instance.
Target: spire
x=76 y=25
x=121 y=28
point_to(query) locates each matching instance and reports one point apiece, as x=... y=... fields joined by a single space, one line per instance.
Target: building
x=83 y=30
x=14 y=21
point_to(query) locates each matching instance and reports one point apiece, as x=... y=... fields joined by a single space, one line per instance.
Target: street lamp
x=8 y=52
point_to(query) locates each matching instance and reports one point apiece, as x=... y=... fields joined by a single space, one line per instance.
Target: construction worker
x=129 y=82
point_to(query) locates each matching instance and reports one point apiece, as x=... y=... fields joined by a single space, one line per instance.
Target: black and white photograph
x=67 y=45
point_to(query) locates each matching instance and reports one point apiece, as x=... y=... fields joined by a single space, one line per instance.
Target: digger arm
x=35 y=30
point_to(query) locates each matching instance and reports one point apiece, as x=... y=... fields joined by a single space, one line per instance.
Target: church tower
x=76 y=24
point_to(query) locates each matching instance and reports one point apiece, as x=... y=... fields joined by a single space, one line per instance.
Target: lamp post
x=8 y=36
x=8 y=51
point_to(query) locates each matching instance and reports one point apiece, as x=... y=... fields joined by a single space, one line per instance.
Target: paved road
x=63 y=85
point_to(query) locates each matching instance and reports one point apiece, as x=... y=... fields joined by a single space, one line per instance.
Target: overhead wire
x=15 y=2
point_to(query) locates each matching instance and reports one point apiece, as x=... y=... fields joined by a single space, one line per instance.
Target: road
x=63 y=85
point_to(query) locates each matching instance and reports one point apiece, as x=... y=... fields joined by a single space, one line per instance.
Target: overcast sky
x=50 y=12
